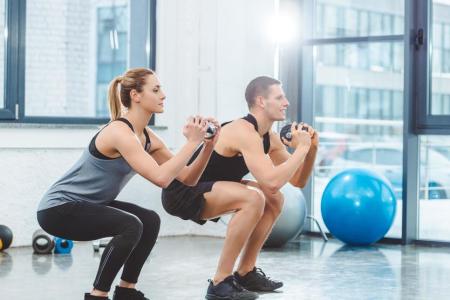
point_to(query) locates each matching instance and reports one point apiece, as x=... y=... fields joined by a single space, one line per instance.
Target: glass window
x=375 y=95
x=365 y=156
x=363 y=24
x=446 y=59
x=388 y=24
x=440 y=85
x=72 y=53
x=445 y=41
x=396 y=56
x=351 y=22
x=112 y=51
x=336 y=18
x=329 y=101
x=375 y=109
x=375 y=23
x=349 y=60
x=352 y=106
x=389 y=157
x=397 y=105
x=2 y=52
x=330 y=23
x=434 y=191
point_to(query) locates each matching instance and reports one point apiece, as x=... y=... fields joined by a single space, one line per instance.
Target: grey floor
x=180 y=266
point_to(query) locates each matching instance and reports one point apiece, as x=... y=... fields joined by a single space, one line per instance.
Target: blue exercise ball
x=358 y=206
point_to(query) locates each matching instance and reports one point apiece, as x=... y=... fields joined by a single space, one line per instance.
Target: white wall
x=207 y=52
x=31 y=159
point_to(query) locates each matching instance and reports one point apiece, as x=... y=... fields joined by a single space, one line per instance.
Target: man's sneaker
x=257 y=281
x=121 y=293
x=228 y=289
x=88 y=296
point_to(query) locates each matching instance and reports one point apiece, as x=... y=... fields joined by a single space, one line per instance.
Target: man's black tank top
x=222 y=168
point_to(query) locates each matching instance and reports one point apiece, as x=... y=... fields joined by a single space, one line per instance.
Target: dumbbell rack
x=101 y=243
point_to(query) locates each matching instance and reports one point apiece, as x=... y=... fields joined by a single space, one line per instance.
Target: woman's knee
x=133 y=229
x=151 y=221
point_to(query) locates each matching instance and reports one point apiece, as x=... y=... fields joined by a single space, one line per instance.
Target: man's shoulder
x=240 y=126
x=240 y=135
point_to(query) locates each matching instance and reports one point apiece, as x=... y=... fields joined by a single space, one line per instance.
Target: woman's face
x=152 y=97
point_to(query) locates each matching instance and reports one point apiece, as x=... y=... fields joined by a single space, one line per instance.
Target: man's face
x=276 y=103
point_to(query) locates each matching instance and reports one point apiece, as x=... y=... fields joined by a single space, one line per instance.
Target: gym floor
x=180 y=266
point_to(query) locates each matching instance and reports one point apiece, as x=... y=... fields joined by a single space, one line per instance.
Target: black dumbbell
x=286 y=131
x=210 y=131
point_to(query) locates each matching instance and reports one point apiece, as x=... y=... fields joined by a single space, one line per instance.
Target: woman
x=81 y=205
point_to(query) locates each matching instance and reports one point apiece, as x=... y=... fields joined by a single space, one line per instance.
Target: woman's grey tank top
x=91 y=179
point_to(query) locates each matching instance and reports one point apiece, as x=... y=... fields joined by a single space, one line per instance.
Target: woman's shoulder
x=115 y=129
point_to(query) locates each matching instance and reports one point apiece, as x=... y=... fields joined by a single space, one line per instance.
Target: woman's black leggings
x=134 y=230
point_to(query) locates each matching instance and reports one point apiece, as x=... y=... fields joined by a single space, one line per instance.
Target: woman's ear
x=135 y=96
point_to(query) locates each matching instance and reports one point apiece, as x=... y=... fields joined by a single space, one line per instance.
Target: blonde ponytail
x=115 y=106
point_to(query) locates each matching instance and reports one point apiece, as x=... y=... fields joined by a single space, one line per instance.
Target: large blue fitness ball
x=358 y=206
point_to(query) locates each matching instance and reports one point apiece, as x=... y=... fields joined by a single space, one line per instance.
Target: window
x=69 y=52
x=362 y=60
x=357 y=90
x=433 y=116
x=434 y=192
x=112 y=50
x=64 y=76
x=389 y=157
x=364 y=156
x=358 y=18
x=440 y=88
x=3 y=28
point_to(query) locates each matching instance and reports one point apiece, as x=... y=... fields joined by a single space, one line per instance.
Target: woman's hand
x=195 y=129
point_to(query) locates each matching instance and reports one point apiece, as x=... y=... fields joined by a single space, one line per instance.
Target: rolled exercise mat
x=63 y=246
x=42 y=242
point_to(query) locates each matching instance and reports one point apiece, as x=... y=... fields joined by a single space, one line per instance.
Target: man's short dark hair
x=258 y=87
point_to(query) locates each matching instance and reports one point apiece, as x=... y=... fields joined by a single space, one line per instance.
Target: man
x=247 y=145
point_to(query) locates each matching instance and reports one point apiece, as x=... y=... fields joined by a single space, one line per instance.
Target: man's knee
x=256 y=201
x=274 y=203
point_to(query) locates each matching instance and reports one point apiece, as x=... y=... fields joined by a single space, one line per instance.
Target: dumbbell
x=286 y=131
x=102 y=243
x=210 y=131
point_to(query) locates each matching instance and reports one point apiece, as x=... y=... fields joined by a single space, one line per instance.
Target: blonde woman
x=82 y=204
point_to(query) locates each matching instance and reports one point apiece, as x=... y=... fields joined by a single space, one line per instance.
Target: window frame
x=14 y=93
x=425 y=121
x=305 y=93
x=11 y=60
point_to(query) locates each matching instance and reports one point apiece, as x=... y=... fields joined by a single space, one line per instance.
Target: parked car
x=387 y=160
x=332 y=146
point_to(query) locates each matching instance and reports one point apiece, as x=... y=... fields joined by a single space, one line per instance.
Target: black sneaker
x=88 y=296
x=121 y=293
x=228 y=289
x=257 y=281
